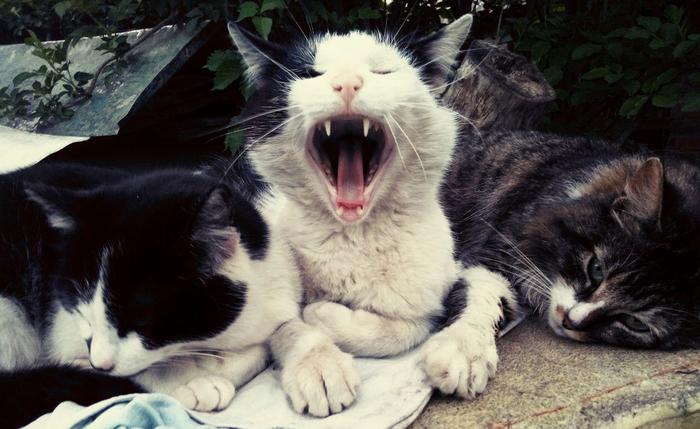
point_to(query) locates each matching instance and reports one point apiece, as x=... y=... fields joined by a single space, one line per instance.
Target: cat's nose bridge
x=347 y=84
x=102 y=354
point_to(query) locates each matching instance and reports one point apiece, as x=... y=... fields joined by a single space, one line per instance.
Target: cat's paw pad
x=323 y=382
x=330 y=317
x=460 y=365
x=208 y=393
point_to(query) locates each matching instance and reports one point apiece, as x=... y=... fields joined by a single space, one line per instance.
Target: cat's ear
x=642 y=202
x=215 y=223
x=436 y=53
x=52 y=202
x=258 y=54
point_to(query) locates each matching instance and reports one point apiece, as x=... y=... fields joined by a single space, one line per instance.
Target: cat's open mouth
x=350 y=154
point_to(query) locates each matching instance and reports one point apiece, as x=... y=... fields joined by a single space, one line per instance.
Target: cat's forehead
x=355 y=48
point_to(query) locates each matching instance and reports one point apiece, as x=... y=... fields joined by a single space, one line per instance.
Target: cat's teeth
x=340 y=210
x=365 y=126
x=327 y=125
x=360 y=210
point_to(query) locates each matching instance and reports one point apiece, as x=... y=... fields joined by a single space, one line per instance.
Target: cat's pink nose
x=347 y=85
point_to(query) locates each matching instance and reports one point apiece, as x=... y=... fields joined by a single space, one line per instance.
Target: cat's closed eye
x=311 y=72
x=633 y=324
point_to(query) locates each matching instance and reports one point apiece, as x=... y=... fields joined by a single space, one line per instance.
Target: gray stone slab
x=150 y=65
x=548 y=382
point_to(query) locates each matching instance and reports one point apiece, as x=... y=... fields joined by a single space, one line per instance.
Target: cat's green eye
x=634 y=324
x=595 y=271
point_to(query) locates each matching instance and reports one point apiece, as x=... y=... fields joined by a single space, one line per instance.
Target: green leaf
x=553 y=75
x=667 y=97
x=615 y=49
x=595 y=73
x=633 y=105
x=61 y=8
x=234 y=141
x=637 y=33
x=658 y=43
x=683 y=48
x=651 y=23
x=539 y=49
x=271 y=5
x=263 y=24
x=247 y=90
x=691 y=102
x=22 y=77
x=82 y=77
x=585 y=50
x=226 y=66
x=674 y=14
x=616 y=33
x=695 y=37
x=246 y=10
x=666 y=77
x=631 y=86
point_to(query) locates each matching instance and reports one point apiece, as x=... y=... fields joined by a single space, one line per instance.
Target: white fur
x=19 y=342
x=462 y=357
x=55 y=218
x=562 y=298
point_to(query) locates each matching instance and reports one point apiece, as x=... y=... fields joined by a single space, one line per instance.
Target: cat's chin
x=350 y=154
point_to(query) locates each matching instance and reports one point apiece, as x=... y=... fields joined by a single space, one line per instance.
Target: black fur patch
x=28 y=394
x=453 y=305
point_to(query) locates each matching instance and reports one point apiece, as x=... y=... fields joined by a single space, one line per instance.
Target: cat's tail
x=27 y=394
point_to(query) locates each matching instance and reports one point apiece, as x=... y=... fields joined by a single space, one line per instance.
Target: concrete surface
x=548 y=382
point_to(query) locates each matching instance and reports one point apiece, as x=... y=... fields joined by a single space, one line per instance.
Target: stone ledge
x=548 y=382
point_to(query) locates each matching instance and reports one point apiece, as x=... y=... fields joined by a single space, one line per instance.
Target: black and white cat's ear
x=51 y=200
x=258 y=54
x=215 y=225
x=642 y=203
x=437 y=53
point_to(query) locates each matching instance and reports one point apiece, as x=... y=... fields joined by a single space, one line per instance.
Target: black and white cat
x=603 y=242
x=349 y=132
x=168 y=278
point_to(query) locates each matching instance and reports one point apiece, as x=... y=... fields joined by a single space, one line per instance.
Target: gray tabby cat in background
x=348 y=131
x=603 y=242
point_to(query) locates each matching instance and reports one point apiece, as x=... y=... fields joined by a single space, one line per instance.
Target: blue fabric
x=147 y=411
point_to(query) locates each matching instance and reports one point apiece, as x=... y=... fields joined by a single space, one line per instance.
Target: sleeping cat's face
x=623 y=258
x=349 y=122
x=140 y=278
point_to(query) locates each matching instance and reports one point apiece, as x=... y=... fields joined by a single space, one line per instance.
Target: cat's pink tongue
x=350 y=182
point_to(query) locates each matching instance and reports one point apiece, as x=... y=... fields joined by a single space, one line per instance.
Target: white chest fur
x=396 y=265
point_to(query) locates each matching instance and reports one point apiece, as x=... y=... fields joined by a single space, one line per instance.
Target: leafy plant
x=609 y=73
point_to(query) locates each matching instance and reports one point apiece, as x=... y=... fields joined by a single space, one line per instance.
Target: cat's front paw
x=324 y=381
x=460 y=363
x=330 y=317
x=208 y=393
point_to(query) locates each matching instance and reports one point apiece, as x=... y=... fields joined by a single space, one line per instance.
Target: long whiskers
x=420 y=161
x=253 y=143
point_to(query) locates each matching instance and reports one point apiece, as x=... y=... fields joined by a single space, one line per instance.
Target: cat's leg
x=316 y=375
x=206 y=383
x=364 y=333
x=462 y=357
